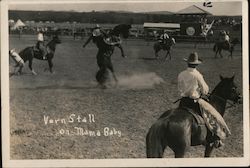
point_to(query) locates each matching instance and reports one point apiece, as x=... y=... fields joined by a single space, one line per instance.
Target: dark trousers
x=187 y=102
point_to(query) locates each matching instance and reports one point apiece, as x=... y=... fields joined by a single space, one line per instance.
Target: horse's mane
x=222 y=84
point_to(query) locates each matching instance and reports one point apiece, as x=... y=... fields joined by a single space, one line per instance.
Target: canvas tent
x=18 y=24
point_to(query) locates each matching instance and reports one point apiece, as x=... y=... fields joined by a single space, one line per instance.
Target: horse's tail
x=155 y=142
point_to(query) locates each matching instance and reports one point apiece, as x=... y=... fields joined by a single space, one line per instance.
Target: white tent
x=18 y=24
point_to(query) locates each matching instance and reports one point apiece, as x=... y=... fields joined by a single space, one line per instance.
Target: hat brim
x=194 y=63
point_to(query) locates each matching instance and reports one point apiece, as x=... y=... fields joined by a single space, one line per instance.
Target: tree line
x=103 y=17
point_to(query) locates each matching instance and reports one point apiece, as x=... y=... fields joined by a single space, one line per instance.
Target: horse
x=29 y=53
x=178 y=129
x=219 y=46
x=167 y=46
x=106 y=44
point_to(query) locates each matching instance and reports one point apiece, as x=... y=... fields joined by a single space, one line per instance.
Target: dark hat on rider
x=193 y=59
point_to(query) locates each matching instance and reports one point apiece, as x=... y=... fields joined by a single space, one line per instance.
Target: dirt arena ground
x=119 y=117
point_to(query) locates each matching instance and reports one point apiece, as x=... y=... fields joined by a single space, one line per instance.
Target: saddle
x=112 y=40
x=38 y=51
x=193 y=108
x=200 y=121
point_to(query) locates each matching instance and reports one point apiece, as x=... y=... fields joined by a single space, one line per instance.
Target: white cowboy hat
x=193 y=59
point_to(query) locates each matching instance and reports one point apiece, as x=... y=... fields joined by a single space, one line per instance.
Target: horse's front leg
x=208 y=150
x=220 y=54
x=30 y=66
x=166 y=55
x=50 y=65
x=121 y=49
x=156 y=54
x=231 y=54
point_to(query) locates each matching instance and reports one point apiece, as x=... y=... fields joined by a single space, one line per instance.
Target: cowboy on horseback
x=192 y=86
x=40 y=44
x=97 y=32
x=224 y=38
x=164 y=37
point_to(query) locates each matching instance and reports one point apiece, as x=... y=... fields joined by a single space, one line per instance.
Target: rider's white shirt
x=227 y=37
x=40 y=37
x=191 y=83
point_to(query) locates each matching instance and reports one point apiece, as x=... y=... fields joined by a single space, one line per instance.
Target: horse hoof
x=34 y=73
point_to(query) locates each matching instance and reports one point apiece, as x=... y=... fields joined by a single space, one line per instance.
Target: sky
x=219 y=8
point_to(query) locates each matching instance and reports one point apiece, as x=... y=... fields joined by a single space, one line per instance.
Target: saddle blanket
x=213 y=119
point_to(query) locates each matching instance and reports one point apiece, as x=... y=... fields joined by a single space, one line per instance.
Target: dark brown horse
x=29 y=53
x=219 y=46
x=165 y=47
x=106 y=49
x=179 y=130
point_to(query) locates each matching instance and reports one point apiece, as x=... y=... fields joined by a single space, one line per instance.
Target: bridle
x=230 y=102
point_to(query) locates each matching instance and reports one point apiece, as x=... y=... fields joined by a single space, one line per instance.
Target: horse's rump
x=175 y=128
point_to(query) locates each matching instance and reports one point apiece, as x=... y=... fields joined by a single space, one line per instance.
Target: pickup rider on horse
x=224 y=38
x=40 y=44
x=192 y=85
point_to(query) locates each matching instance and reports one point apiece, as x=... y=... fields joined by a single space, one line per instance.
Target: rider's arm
x=203 y=85
x=89 y=39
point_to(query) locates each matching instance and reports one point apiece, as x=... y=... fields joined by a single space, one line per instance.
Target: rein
x=221 y=98
x=209 y=95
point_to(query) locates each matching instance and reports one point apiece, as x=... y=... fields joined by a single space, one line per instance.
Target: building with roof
x=193 y=10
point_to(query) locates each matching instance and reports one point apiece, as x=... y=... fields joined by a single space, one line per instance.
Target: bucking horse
x=106 y=44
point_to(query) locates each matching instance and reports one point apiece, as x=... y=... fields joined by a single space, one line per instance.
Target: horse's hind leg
x=50 y=65
x=101 y=77
x=179 y=154
x=180 y=147
x=111 y=68
x=30 y=66
x=154 y=143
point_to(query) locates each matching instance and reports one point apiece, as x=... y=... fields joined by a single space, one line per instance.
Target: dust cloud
x=139 y=81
